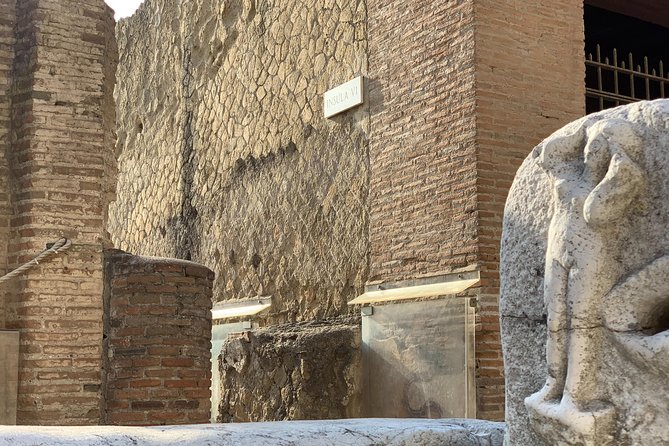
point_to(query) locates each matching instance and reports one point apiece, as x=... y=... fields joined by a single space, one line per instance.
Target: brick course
x=7 y=43
x=61 y=127
x=529 y=83
x=158 y=330
x=421 y=147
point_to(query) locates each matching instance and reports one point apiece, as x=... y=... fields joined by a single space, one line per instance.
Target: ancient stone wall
x=157 y=348
x=529 y=82
x=226 y=158
x=292 y=372
x=61 y=124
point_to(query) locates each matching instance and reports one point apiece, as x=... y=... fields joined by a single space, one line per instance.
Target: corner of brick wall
x=530 y=82
x=56 y=124
x=157 y=331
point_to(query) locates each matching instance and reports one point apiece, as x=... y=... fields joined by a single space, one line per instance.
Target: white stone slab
x=354 y=432
x=343 y=97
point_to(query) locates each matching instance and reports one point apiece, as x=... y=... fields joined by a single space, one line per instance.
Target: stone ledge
x=353 y=432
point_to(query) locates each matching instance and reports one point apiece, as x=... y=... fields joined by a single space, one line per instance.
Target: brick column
x=7 y=42
x=59 y=155
x=158 y=331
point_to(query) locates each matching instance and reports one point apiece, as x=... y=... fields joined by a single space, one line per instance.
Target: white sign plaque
x=343 y=97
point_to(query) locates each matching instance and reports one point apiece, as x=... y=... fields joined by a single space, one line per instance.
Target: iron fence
x=614 y=81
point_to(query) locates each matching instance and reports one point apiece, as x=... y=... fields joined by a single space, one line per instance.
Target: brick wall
x=61 y=119
x=529 y=82
x=460 y=93
x=422 y=152
x=158 y=330
x=7 y=42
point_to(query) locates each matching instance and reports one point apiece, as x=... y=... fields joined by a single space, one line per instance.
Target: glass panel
x=219 y=333
x=418 y=360
x=9 y=371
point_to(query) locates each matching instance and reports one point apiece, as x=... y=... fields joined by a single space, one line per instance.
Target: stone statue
x=603 y=201
x=594 y=182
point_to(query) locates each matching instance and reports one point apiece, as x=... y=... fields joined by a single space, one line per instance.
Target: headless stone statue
x=594 y=182
x=586 y=245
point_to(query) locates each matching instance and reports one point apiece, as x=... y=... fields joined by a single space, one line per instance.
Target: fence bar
x=616 y=91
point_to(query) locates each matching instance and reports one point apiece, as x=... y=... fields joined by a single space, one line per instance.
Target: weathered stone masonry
x=309 y=370
x=57 y=175
x=279 y=201
x=225 y=158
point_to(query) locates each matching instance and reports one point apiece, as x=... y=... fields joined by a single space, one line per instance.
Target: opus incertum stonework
x=194 y=131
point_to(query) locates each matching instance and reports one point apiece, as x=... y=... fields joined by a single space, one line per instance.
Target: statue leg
x=584 y=341
x=555 y=295
x=582 y=407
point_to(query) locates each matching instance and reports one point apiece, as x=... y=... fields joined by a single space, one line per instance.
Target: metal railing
x=613 y=82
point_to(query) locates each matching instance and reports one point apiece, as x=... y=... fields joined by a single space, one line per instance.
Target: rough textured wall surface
x=157 y=348
x=529 y=82
x=60 y=160
x=7 y=42
x=422 y=153
x=303 y=371
x=225 y=156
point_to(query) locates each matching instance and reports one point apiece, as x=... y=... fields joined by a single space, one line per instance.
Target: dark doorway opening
x=626 y=59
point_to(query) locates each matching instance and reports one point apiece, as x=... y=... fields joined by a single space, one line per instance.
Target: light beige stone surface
x=597 y=193
x=225 y=158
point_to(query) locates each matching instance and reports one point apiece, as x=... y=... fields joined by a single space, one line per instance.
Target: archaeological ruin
x=271 y=211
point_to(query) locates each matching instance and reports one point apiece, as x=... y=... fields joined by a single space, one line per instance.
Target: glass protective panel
x=418 y=360
x=9 y=356
x=219 y=333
